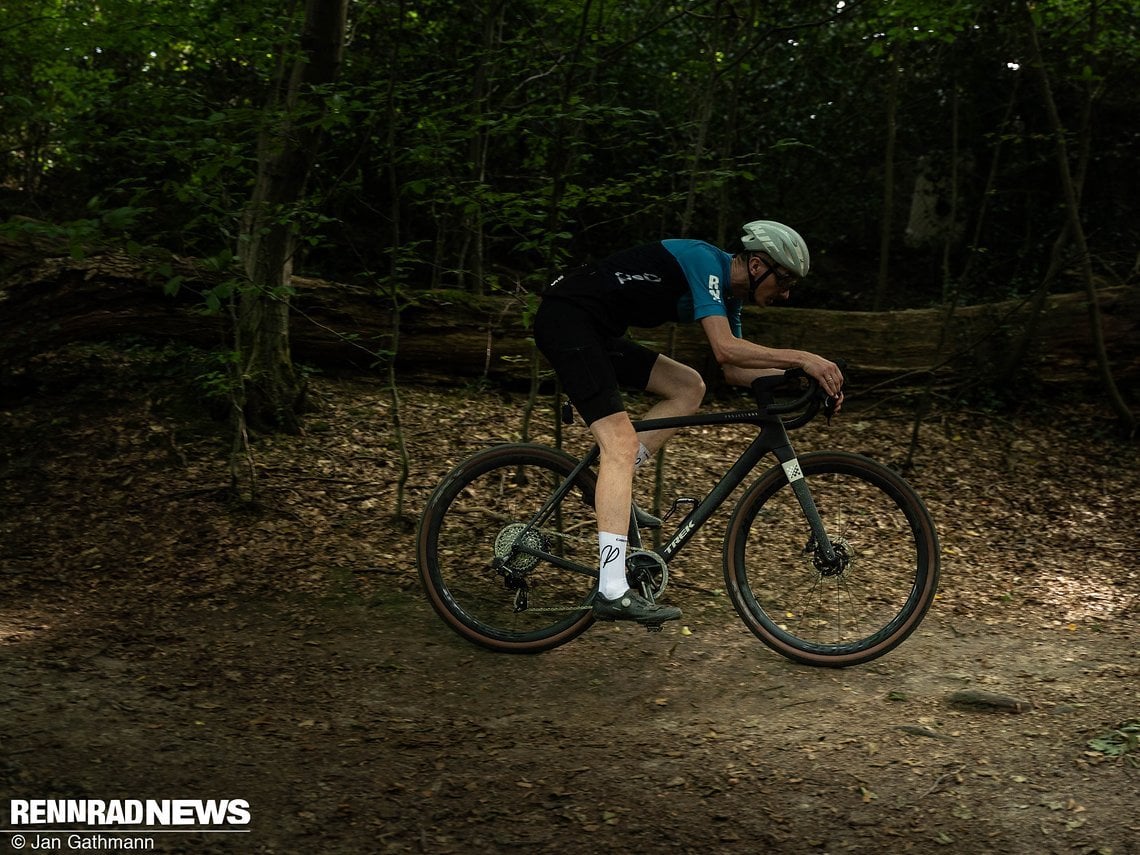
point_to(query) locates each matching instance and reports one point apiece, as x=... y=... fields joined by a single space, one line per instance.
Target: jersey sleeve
x=707 y=271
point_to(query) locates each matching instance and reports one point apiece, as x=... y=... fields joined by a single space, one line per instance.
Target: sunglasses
x=784 y=278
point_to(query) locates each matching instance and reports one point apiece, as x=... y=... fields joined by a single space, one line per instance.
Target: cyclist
x=580 y=328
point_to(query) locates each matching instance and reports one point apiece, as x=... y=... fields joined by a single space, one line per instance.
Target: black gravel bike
x=830 y=558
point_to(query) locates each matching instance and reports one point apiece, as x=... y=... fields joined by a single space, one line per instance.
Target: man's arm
x=739 y=358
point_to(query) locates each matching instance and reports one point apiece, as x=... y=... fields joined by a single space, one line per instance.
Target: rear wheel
x=843 y=612
x=475 y=544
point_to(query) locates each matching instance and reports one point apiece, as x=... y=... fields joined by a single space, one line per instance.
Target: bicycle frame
x=772 y=437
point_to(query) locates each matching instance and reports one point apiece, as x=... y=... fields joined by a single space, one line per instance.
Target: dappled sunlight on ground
x=21 y=626
x=157 y=637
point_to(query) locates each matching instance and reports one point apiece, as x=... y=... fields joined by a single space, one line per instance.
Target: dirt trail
x=158 y=643
x=353 y=728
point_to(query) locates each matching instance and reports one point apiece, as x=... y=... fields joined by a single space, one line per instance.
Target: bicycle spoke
x=478 y=556
x=833 y=612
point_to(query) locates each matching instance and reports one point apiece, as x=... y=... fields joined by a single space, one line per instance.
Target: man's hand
x=828 y=374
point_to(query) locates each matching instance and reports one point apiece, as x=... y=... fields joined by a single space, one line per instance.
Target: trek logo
x=684 y=532
x=622 y=278
x=714 y=288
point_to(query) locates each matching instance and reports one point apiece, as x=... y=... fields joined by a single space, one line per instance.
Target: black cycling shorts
x=592 y=364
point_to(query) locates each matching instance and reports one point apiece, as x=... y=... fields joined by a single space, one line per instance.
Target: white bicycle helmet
x=783 y=244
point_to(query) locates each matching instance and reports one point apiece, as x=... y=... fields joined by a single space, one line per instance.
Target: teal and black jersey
x=654 y=284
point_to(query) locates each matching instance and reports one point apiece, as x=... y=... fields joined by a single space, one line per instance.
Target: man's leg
x=585 y=364
x=681 y=390
x=613 y=495
x=612 y=498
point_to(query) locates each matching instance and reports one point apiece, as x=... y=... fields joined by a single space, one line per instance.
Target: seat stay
x=547 y=510
x=561 y=491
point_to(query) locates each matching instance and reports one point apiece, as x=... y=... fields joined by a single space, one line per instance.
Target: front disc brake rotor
x=843 y=556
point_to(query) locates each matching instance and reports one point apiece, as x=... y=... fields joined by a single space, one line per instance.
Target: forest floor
x=160 y=641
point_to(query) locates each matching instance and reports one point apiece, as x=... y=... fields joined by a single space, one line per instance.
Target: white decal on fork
x=792 y=470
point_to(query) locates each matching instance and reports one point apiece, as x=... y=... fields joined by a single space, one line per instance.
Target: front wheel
x=476 y=549
x=839 y=613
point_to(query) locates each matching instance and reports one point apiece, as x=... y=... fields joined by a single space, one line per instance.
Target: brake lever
x=829 y=404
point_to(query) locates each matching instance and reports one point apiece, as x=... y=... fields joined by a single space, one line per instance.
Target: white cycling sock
x=611 y=564
x=643 y=454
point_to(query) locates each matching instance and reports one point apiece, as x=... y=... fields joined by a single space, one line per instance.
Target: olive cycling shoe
x=632 y=606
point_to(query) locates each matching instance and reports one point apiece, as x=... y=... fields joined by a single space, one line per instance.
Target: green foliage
x=896 y=25
x=1122 y=742
x=217 y=381
x=499 y=143
x=104 y=225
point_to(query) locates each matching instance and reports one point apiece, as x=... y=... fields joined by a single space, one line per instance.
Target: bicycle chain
x=551 y=609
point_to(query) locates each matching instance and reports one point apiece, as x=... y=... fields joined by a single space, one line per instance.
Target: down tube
x=717 y=496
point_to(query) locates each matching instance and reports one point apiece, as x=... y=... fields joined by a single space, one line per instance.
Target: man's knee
x=678 y=382
x=695 y=388
x=617 y=440
x=688 y=388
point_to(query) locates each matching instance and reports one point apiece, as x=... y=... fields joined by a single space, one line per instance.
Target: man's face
x=775 y=282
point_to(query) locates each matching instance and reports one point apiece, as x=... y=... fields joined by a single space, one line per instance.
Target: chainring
x=646 y=573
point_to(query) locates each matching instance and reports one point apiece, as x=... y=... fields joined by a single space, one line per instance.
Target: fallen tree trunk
x=446 y=335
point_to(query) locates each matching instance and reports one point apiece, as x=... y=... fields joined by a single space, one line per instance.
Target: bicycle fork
x=829 y=561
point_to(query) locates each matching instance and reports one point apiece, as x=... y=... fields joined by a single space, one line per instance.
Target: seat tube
x=786 y=455
x=634 y=531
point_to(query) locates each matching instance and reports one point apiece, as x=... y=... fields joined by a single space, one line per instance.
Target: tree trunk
x=974 y=248
x=470 y=264
x=390 y=284
x=1072 y=206
x=272 y=392
x=886 y=227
